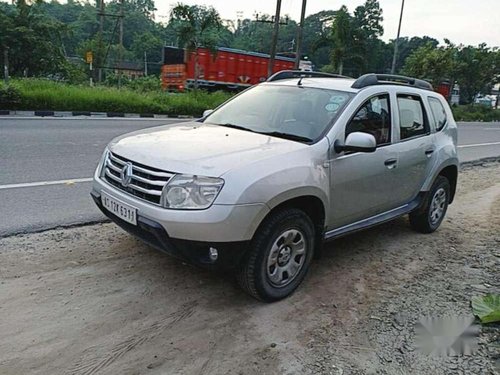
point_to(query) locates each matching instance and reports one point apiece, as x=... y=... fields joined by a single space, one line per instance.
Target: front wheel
x=279 y=257
x=429 y=217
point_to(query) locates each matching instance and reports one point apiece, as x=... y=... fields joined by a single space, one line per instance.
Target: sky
x=461 y=21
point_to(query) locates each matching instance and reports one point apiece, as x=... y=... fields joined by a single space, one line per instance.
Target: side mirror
x=357 y=142
x=207 y=112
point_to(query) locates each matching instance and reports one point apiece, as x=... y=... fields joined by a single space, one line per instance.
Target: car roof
x=341 y=84
x=347 y=84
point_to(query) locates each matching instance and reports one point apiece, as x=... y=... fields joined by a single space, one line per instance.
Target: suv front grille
x=136 y=179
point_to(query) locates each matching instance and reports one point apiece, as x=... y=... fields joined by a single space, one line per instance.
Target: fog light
x=213 y=254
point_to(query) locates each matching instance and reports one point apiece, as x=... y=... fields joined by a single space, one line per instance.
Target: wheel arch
x=313 y=205
x=451 y=174
x=449 y=169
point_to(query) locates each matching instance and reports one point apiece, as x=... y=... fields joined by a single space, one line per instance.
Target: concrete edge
x=87 y=114
x=479 y=162
x=57 y=227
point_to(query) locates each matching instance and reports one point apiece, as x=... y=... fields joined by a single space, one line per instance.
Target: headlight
x=191 y=192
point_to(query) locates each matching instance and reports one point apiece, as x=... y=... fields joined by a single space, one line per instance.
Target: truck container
x=229 y=69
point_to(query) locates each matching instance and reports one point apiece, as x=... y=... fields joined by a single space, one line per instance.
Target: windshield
x=299 y=112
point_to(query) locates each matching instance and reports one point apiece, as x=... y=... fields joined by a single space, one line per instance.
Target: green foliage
x=475 y=69
x=353 y=40
x=406 y=46
x=33 y=39
x=42 y=94
x=475 y=112
x=431 y=63
x=196 y=25
x=140 y=84
x=148 y=43
x=487 y=308
x=10 y=97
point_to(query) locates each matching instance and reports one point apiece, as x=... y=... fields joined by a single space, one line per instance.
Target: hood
x=197 y=148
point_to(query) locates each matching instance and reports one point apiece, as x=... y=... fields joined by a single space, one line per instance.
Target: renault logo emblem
x=126 y=174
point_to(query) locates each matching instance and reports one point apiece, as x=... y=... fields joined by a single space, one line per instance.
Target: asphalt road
x=64 y=153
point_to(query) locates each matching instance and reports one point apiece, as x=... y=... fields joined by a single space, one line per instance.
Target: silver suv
x=258 y=185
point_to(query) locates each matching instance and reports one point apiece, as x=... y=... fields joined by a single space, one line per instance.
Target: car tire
x=429 y=216
x=279 y=256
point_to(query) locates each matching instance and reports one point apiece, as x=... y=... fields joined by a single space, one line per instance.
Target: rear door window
x=412 y=117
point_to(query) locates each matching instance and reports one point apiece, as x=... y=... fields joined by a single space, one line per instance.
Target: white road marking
x=479 y=144
x=47 y=118
x=46 y=183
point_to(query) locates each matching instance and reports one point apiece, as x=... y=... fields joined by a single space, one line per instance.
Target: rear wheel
x=429 y=217
x=279 y=257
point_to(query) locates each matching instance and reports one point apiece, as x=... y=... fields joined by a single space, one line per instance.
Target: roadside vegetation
x=475 y=112
x=43 y=94
x=144 y=96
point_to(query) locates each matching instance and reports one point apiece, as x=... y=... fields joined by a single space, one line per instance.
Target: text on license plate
x=120 y=209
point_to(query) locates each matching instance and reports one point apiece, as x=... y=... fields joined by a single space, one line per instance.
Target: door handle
x=429 y=152
x=390 y=163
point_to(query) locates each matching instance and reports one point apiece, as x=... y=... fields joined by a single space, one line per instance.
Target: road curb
x=88 y=114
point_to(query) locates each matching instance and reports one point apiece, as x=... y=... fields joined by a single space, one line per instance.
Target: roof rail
x=286 y=74
x=372 y=79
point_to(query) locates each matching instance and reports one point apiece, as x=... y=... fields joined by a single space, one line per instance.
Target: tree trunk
x=341 y=67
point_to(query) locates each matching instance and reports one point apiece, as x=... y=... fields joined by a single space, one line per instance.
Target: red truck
x=229 y=69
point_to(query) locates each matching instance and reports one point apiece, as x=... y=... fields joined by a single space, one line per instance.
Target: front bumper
x=218 y=223
x=196 y=252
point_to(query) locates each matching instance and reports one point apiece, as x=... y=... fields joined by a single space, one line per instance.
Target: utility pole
x=299 y=36
x=145 y=64
x=120 y=57
x=274 y=41
x=394 y=58
x=6 y=64
x=101 y=30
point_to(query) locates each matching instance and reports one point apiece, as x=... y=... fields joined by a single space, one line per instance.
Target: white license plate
x=120 y=209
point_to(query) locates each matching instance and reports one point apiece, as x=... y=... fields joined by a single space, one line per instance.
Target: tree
x=368 y=20
x=475 y=69
x=367 y=30
x=318 y=27
x=33 y=39
x=147 y=43
x=431 y=63
x=342 y=38
x=406 y=46
x=354 y=40
x=196 y=26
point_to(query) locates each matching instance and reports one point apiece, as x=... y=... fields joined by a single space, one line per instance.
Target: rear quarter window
x=438 y=112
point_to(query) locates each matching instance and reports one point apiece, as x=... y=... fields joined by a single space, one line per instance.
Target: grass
x=475 y=112
x=41 y=94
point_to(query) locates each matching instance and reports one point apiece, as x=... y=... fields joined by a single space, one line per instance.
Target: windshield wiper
x=292 y=137
x=234 y=126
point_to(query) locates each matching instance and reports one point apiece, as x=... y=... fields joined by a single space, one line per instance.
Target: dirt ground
x=93 y=300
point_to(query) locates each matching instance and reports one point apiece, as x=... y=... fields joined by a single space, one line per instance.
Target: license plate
x=120 y=209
